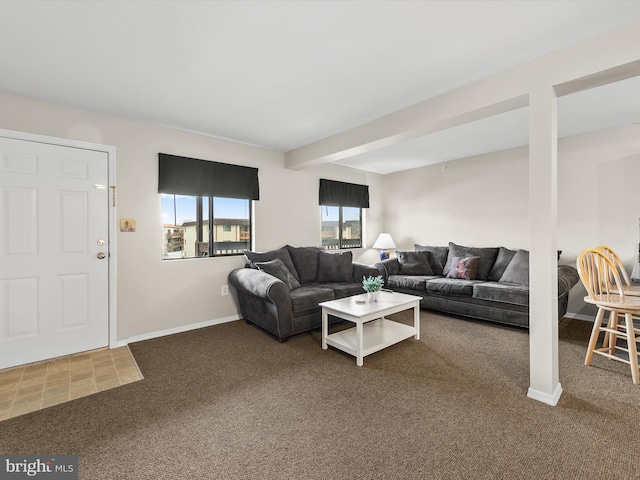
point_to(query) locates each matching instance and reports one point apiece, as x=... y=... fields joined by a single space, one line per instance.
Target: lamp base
x=384 y=255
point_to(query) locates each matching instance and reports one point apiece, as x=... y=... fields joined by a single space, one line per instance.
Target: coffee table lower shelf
x=377 y=335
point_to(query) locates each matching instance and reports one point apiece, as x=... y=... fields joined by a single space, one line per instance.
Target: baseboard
x=545 y=397
x=578 y=316
x=172 y=331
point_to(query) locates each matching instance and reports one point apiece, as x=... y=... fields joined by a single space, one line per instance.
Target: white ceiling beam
x=605 y=77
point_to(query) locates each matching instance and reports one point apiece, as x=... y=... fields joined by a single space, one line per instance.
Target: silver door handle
x=101 y=255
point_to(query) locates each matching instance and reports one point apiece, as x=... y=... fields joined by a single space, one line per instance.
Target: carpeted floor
x=230 y=402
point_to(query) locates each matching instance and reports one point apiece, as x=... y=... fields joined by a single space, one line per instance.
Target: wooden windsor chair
x=629 y=289
x=605 y=289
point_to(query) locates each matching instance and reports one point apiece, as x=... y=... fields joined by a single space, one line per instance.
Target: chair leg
x=605 y=341
x=613 y=338
x=595 y=332
x=633 y=351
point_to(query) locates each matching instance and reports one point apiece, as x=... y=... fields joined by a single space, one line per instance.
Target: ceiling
x=283 y=74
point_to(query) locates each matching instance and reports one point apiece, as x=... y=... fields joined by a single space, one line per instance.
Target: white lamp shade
x=384 y=242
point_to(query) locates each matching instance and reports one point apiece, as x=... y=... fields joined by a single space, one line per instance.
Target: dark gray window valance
x=190 y=176
x=342 y=194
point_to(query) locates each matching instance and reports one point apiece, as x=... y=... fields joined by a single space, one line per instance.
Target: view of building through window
x=341 y=227
x=186 y=220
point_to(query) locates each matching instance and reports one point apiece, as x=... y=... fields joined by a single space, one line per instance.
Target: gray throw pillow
x=282 y=254
x=279 y=270
x=502 y=262
x=518 y=270
x=487 y=256
x=414 y=263
x=335 y=267
x=305 y=260
x=438 y=257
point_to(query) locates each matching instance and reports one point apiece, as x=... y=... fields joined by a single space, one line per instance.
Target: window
x=186 y=221
x=196 y=223
x=341 y=227
x=341 y=204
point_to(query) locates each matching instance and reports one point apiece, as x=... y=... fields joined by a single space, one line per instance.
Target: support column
x=544 y=383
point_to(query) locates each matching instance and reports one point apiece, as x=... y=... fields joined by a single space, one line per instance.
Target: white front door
x=54 y=227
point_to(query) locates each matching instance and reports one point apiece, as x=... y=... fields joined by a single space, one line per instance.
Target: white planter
x=372 y=296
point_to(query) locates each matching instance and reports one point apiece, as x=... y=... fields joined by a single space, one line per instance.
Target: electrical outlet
x=225 y=290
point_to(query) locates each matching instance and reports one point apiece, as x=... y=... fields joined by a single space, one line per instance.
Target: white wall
x=483 y=200
x=152 y=295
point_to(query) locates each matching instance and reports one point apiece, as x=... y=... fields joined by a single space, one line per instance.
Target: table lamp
x=384 y=243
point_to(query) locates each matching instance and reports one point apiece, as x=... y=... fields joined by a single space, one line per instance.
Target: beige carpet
x=230 y=402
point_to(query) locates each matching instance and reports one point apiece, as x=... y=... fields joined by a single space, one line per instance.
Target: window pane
x=351 y=227
x=179 y=226
x=232 y=220
x=330 y=227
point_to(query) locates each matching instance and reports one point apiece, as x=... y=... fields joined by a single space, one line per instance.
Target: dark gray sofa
x=279 y=290
x=497 y=292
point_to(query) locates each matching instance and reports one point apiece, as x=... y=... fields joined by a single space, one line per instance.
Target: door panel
x=54 y=208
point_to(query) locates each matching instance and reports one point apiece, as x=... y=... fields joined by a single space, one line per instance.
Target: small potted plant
x=372 y=285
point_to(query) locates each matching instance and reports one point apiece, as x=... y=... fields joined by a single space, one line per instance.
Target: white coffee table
x=372 y=332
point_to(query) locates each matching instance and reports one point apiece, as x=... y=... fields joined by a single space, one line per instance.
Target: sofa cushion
x=502 y=292
x=464 y=268
x=335 y=267
x=279 y=270
x=343 y=289
x=502 y=262
x=451 y=286
x=438 y=257
x=282 y=254
x=487 y=256
x=308 y=296
x=518 y=270
x=408 y=282
x=414 y=263
x=305 y=260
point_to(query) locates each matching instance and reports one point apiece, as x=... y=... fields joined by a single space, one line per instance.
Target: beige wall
x=483 y=200
x=152 y=295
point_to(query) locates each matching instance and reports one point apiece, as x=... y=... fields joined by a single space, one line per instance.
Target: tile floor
x=31 y=387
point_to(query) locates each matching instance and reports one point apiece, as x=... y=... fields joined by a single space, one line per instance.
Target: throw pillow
x=464 y=268
x=438 y=256
x=502 y=262
x=487 y=256
x=279 y=270
x=335 y=267
x=282 y=254
x=518 y=270
x=305 y=260
x=414 y=263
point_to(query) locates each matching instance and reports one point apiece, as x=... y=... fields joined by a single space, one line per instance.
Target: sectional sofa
x=487 y=283
x=279 y=290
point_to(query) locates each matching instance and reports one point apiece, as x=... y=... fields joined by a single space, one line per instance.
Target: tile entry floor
x=35 y=386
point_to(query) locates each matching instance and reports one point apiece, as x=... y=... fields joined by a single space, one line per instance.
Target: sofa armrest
x=387 y=267
x=264 y=300
x=259 y=284
x=361 y=270
x=567 y=278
